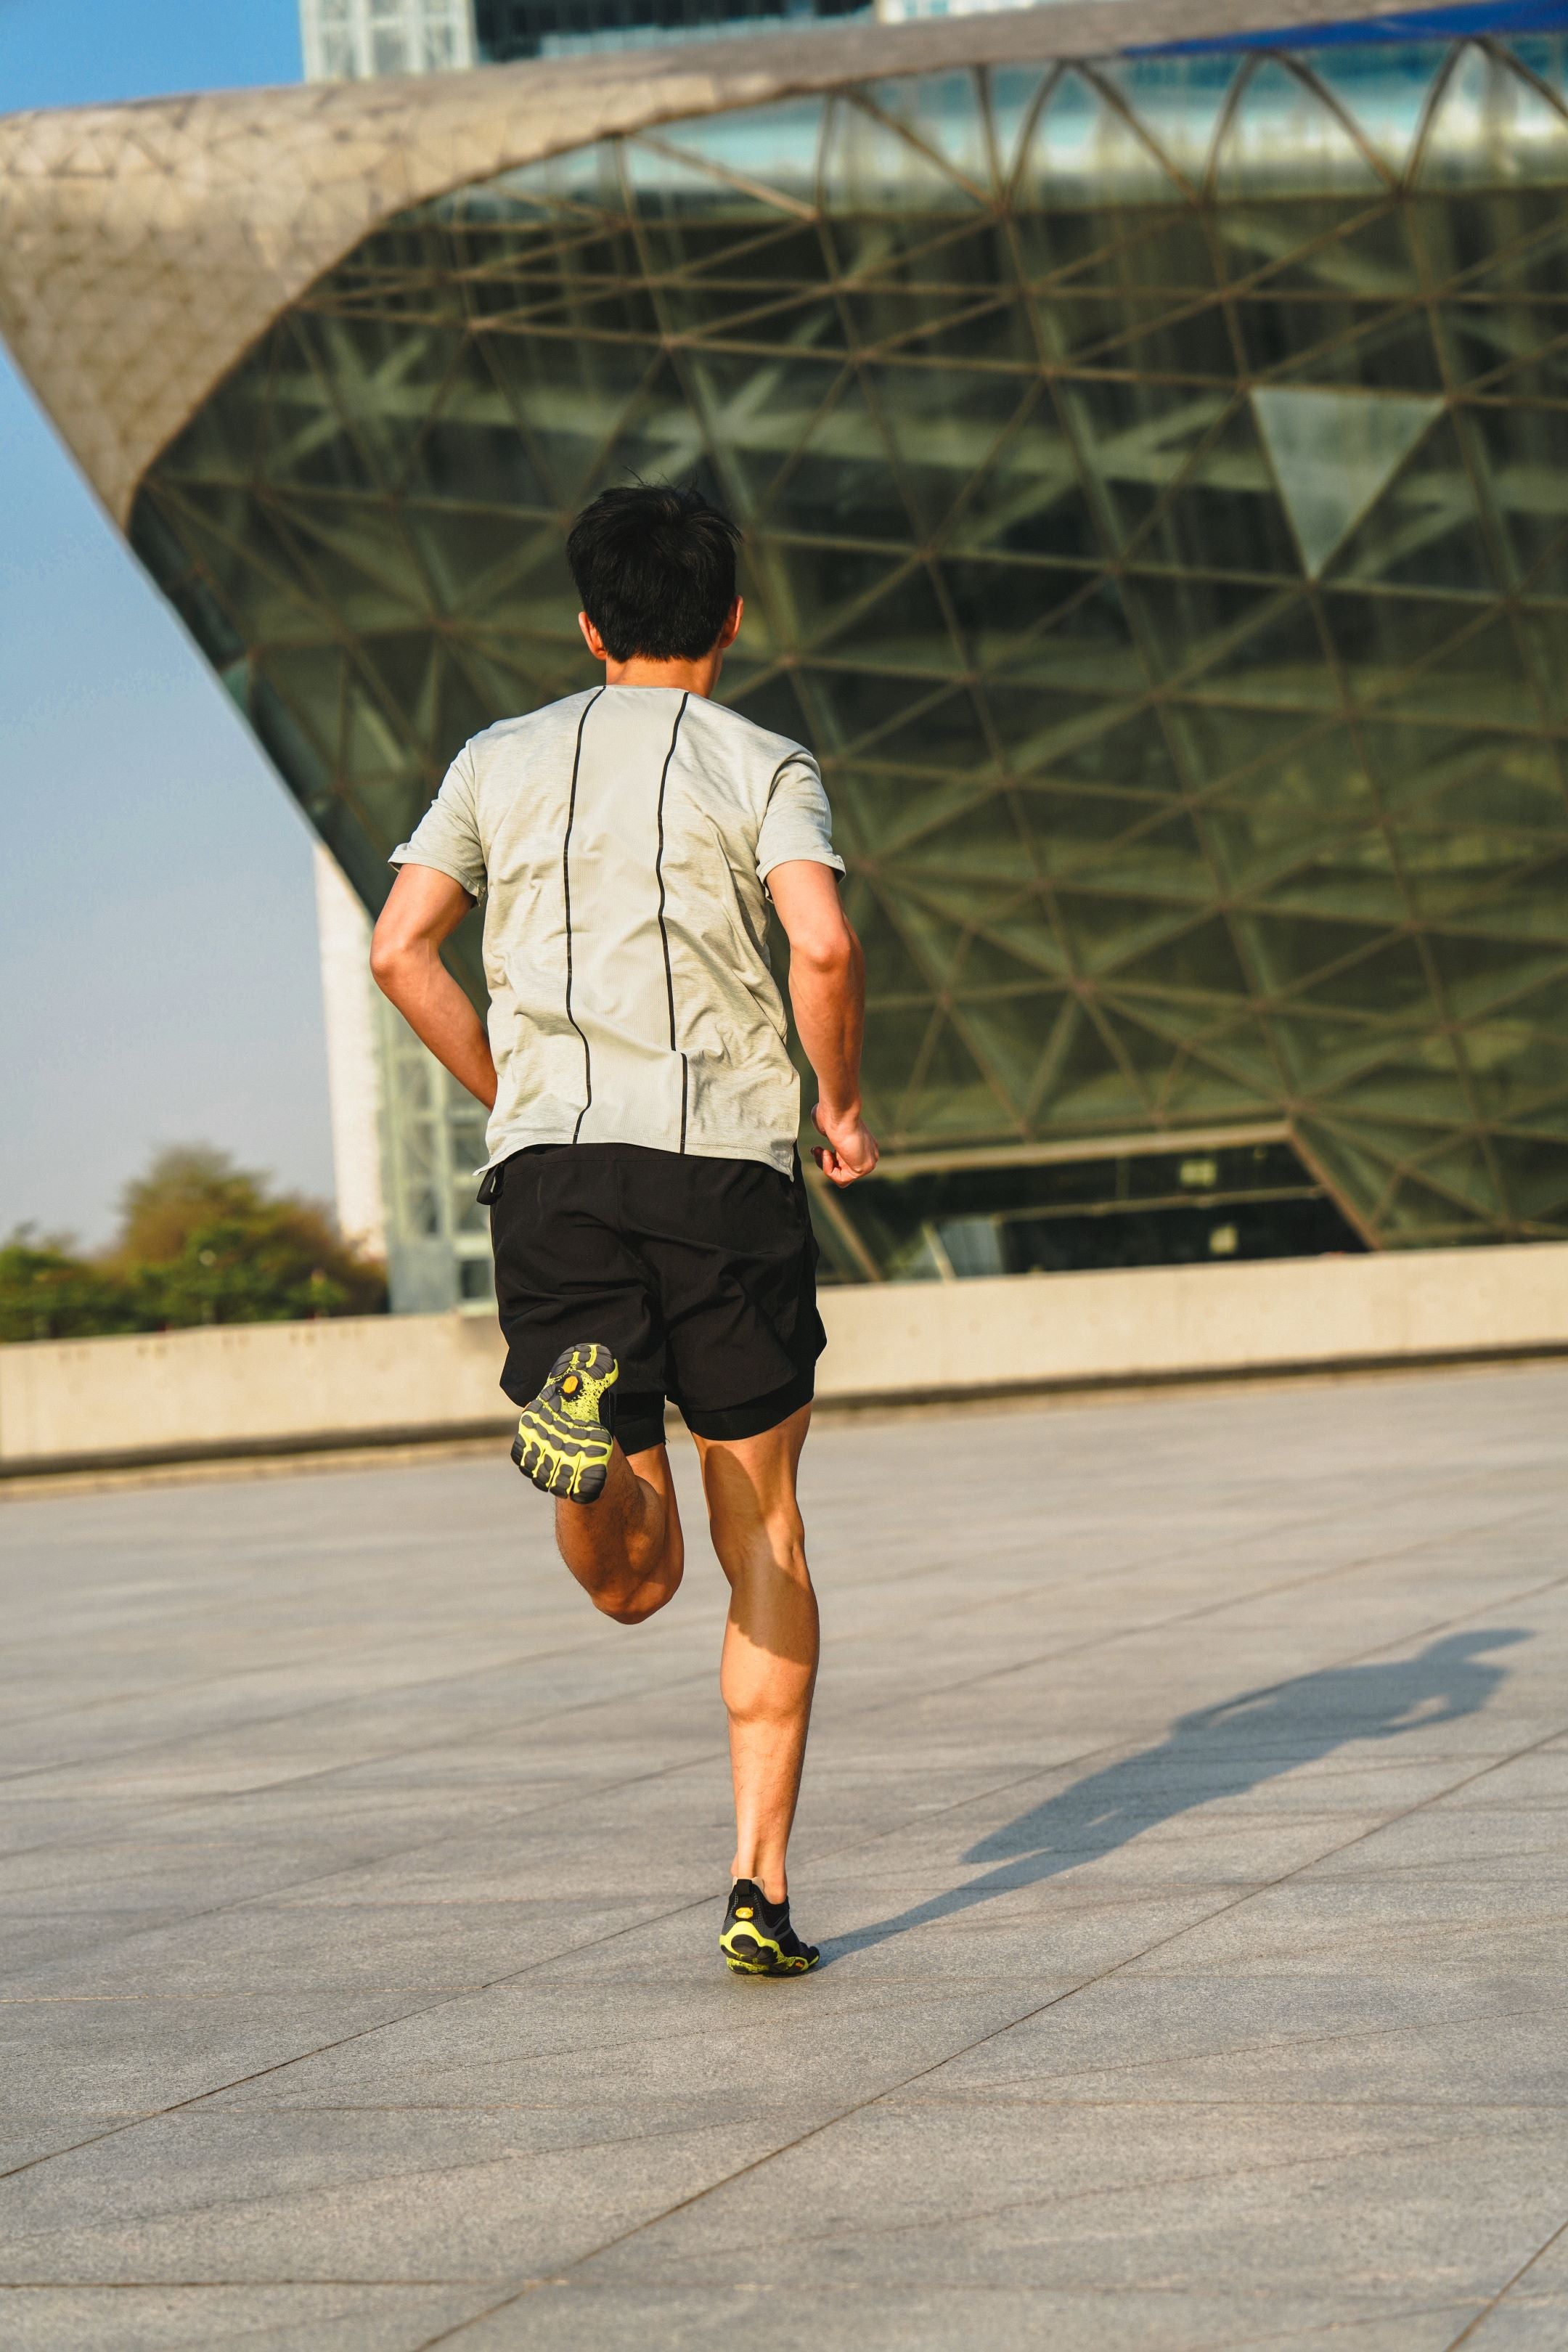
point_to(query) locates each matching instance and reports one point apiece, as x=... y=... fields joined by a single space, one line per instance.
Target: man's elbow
x=389 y=953
x=826 y=955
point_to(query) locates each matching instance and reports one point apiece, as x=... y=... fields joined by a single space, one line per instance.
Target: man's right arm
x=827 y=990
x=423 y=909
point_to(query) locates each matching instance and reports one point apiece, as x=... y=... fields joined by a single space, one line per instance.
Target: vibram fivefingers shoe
x=564 y=1437
x=757 y=1939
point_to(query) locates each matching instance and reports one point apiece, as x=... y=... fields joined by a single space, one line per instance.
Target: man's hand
x=828 y=988
x=850 y=1150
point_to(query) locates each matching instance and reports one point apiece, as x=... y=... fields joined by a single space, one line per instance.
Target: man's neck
x=683 y=677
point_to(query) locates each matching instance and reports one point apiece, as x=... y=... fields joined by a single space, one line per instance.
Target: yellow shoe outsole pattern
x=561 y=1444
x=751 y=1952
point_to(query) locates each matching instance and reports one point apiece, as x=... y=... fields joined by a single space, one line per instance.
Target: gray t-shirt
x=621 y=840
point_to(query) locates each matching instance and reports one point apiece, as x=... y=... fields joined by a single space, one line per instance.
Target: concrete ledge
x=253 y=1390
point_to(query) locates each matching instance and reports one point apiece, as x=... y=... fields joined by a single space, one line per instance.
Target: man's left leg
x=768 y=1673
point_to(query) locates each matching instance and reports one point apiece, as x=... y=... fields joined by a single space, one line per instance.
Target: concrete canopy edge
x=144 y=248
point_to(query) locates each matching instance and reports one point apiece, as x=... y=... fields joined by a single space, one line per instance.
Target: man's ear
x=731 y=628
x=592 y=639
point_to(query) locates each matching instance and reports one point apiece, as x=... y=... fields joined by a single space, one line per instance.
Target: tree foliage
x=200 y=1240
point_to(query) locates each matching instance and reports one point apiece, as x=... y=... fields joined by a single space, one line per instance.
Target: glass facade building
x=1155 y=479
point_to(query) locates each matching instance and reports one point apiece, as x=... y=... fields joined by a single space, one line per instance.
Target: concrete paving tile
x=673 y=2034
x=297 y=2198
x=583 y=2315
x=1432 y=2039
x=256 y=2317
x=283 y=1767
x=322 y=1946
x=1523 y=2322
x=97 y=2056
x=1365 y=2199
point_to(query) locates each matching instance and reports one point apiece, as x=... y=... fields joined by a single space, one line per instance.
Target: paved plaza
x=1183 y=1829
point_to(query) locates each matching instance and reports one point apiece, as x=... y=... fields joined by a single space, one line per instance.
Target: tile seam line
x=853 y=1845
x=1078 y=1649
x=678 y=1910
x=1289 y=1523
x=423 y=2009
x=397 y=1691
x=1472 y=2330
x=133 y=2123
x=1166 y=1560
x=576 y=1648
x=684 y=2204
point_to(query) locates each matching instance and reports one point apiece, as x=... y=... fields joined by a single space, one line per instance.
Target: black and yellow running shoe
x=757 y=1939
x=564 y=1437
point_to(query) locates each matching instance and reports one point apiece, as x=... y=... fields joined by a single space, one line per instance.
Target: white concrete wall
x=354 y=1077
x=282 y=1386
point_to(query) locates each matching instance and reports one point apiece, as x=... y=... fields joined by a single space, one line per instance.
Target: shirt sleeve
x=447 y=836
x=797 y=822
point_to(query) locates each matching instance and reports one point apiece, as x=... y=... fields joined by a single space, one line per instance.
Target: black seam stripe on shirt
x=663 y=927
x=566 y=893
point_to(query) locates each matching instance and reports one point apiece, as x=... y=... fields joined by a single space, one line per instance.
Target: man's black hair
x=655 y=567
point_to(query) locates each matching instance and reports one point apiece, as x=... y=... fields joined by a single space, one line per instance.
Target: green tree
x=47 y=1292
x=200 y=1240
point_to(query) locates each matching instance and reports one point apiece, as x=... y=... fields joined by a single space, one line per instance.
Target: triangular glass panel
x=1337 y=255
x=1226 y=500
x=1478 y=975
x=1000 y=607
x=1221 y=745
x=773 y=148
x=1285 y=139
x=1479 y=674
x=944 y=734
x=1392 y=980
x=1233 y=639
x=1070 y=828
x=570 y=394
x=891 y=970
x=674 y=187
x=1385 y=106
x=1088 y=1086
x=1178 y=103
x=1005 y=1040
x=1491 y=127
x=1013 y=92
x=1201 y=961
x=661 y=440
x=757 y=410
x=1030 y=500
x=944 y=113
x=943 y=424
x=1463 y=1171
x=826 y=587
x=1085 y=152
x=843 y=480
x=870 y=173
x=1334 y=453
x=1370 y=348
x=1138 y=438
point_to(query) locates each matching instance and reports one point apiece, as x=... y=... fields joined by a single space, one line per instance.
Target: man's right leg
x=627 y=1550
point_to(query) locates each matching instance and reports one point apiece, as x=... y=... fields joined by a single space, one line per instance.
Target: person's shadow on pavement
x=1215 y=1752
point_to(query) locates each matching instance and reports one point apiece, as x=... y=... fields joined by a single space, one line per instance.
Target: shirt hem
x=780 y=1157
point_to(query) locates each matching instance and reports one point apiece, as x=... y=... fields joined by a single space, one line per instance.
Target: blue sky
x=158 y=978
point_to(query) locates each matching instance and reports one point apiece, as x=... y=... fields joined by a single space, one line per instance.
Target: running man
x=647 y=1211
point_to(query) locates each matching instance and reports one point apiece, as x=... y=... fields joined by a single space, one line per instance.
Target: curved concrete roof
x=144 y=248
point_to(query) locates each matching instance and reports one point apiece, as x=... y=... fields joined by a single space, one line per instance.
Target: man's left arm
x=423 y=909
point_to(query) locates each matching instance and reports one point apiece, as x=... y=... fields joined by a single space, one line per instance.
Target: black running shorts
x=700 y=1275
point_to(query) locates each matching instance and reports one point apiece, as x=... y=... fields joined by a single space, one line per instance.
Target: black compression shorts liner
x=639 y=1418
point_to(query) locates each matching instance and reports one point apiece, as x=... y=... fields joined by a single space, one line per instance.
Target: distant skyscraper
x=347 y=40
